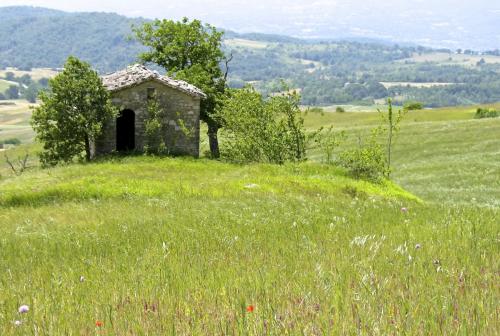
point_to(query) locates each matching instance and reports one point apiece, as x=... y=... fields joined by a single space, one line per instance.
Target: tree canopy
x=72 y=113
x=190 y=51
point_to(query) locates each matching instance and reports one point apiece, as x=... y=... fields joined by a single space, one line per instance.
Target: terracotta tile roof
x=137 y=74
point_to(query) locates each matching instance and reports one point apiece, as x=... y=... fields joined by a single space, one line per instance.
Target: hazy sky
x=214 y=9
x=416 y=20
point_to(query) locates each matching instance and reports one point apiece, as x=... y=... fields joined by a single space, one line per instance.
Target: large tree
x=190 y=51
x=72 y=113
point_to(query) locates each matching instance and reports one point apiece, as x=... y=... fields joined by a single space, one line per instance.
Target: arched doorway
x=125 y=131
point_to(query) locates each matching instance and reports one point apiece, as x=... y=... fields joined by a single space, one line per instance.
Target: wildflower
x=99 y=323
x=23 y=309
x=82 y=278
x=417 y=247
x=17 y=323
x=250 y=309
x=404 y=209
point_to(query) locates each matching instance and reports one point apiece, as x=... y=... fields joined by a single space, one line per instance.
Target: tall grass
x=150 y=246
x=441 y=155
x=178 y=246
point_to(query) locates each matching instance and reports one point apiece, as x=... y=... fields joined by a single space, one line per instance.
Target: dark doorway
x=125 y=131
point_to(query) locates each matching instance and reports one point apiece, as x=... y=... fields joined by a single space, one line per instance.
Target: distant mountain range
x=438 y=24
x=326 y=71
x=41 y=37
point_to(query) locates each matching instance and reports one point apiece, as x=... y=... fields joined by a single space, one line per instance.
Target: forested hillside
x=37 y=37
x=362 y=73
x=326 y=72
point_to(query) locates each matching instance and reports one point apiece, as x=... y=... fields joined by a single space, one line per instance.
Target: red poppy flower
x=99 y=323
x=250 y=308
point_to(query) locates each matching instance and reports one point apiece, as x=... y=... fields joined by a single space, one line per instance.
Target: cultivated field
x=246 y=43
x=14 y=120
x=4 y=85
x=35 y=73
x=388 y=85
x=445 y=58
x=157 y=246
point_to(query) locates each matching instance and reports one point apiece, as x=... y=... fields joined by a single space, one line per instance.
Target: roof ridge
x=137 y=73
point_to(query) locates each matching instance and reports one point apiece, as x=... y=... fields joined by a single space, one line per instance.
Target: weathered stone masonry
x=130 y=89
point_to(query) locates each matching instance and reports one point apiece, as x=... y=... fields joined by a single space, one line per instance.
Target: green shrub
x=339 y=109
x=486 y=113
x=154 y=129
x=367 y=162
x=11 y=141
x=354 y=192
x=316 y=109
x=258 y=129
x=327 y=141
x=412 y=106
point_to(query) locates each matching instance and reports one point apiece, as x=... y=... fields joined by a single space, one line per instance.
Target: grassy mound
x=177 y=246
x=136 y=178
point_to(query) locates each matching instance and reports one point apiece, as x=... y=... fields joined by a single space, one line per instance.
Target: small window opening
x=151 y=93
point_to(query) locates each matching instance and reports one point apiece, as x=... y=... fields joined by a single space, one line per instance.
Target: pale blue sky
x=438 y=22
x=239 y=8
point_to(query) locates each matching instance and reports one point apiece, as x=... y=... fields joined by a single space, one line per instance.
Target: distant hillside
x=39 y=37
x=7 y=13
x=327 y=72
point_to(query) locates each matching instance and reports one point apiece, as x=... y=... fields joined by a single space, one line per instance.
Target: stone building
x=131 y=90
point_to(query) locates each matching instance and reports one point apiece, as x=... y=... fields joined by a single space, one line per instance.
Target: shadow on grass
x=55 y=196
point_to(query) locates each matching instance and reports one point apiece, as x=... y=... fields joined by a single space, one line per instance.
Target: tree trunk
x=213 y=141
x=87 y=148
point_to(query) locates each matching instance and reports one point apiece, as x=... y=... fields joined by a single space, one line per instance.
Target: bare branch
x=10 y=164
x=227 y=61
x=22 y=162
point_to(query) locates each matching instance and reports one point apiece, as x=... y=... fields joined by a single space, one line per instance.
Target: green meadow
x=441 y=155
x=175 y=246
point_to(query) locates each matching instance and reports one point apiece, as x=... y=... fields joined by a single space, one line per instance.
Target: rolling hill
x=154 y=245
x=39 y=37
x=326 y=71
x=189 y=247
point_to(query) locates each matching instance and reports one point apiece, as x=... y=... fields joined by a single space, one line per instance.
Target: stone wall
x=177 y=106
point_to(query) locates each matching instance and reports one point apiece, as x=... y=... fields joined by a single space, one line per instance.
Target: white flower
x=82 y=278
x=24 y=309
x=418 y=246
x=18 y=323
